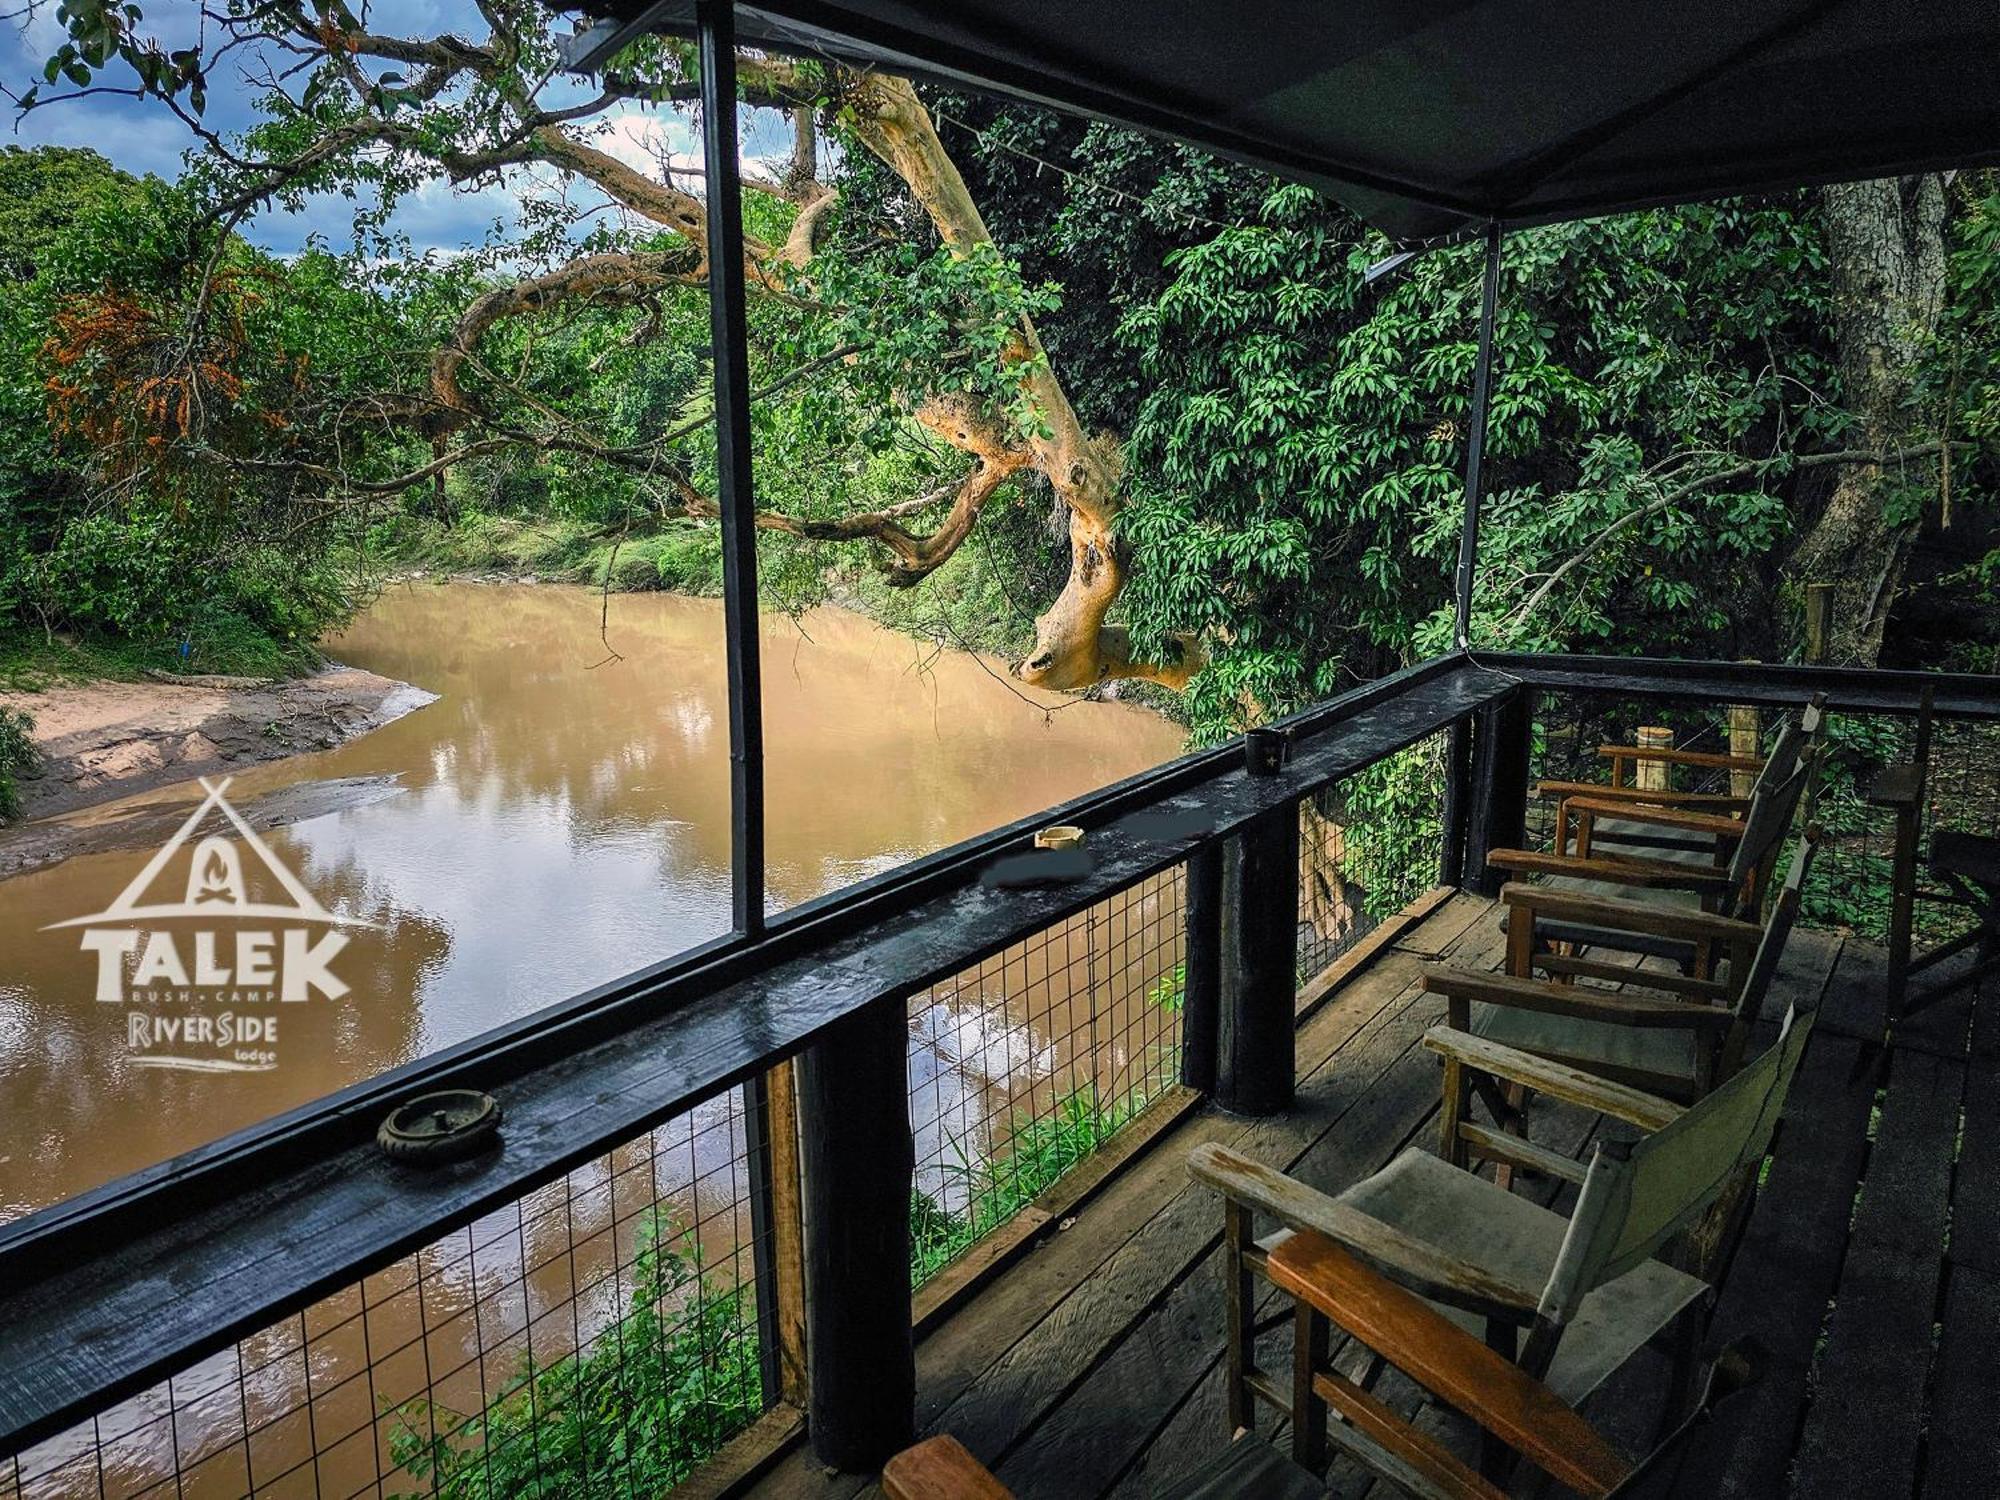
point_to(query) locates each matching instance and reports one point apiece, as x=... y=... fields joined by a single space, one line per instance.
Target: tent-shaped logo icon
x=216 y=884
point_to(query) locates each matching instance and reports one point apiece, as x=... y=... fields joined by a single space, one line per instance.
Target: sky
x=141 y=136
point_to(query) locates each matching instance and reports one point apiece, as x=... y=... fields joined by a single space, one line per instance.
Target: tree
x=1886 y=246
x=936 y=327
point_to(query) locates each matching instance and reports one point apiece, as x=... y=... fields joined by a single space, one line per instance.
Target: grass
x=657 y=1393
x=31 y=661
x=1038 y=1151
x=686 y=559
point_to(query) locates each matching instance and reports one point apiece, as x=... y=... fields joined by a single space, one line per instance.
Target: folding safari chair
x=1666 y=1033
x=1699 y=862
x=1577 y=1296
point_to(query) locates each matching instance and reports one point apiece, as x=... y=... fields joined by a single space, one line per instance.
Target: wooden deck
x=1869 y=1267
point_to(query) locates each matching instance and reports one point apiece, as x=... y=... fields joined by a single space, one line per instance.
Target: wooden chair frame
x=1720 y=1012
x=1344 y=1266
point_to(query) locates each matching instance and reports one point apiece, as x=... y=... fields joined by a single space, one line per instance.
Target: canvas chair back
x=1777 y=931
x=1774 y=800
x=1634 y=1200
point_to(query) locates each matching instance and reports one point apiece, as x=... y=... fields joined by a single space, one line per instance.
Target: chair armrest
x=1615 y=869
x=940 y=1468
x=1685 y=819
x=1665 y=755
x=1709 y=991
x=1571 y=1085
x=1557 y=791
x=1586 y=1003
x=1448 y=1362
x=1629 y=916
x=1414 y=1263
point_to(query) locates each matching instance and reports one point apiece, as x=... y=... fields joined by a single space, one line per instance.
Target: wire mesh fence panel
x=595 y=1338
x=1368 y=846
x=1024 y=1064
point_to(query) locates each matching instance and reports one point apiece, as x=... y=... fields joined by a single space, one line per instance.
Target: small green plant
x=656 y=1394
x=1038 y=1150
x=17 y=754
x=1393 y=826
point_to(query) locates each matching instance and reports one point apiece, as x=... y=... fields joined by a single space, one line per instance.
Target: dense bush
x=633 y=1414
x=17 y=754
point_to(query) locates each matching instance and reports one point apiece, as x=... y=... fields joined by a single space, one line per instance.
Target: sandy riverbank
x=103 y=740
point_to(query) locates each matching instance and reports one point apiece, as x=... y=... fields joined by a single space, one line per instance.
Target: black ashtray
x=447 y=1126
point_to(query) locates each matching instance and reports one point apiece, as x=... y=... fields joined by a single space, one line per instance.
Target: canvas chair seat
x=1666 y=1059
x=1606 y=834
x=1464 y=1214
x=1468 y=1217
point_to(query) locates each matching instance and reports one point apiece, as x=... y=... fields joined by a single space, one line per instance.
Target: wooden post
x=1457 y=802
x=1257 y=965
x=1502 y=748
x=771 y=1114
x=1201 y=981
x=1746 y=739
x=1652 y=774
x=1819 y=614
x=859 y=1166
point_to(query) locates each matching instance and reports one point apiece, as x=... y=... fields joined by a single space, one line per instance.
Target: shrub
x=17 y=753
x=658 y=1392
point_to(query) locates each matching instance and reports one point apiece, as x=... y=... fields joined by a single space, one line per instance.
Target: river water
x=557 y=818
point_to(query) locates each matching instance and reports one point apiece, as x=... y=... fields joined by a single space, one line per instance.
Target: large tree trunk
x=1885 y=242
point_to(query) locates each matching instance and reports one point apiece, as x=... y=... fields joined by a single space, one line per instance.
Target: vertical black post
x=1475 y=438
x=715 y=23
x=1201 y=974
x=859 y=1163
x=1258 y=965
x=1499 y=812
x=1457 y=793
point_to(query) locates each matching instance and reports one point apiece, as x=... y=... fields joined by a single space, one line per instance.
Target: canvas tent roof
x=1428 y=117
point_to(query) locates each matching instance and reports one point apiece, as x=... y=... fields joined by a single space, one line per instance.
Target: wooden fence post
x=1257 y=964
x=1653 y=775
x=1502 y=750
x=1457 y=801
x=1745 y=739
x=859 y=1164
x=1201 y=975
x=777 y=1224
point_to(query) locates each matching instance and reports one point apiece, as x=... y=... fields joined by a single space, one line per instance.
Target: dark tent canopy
x=1428 y=117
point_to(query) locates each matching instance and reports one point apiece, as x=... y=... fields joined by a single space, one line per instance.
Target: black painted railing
x=717 y=1161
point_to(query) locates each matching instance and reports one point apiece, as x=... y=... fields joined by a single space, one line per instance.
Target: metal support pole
x=715 y=25
x=1475 y=443
x=1458 y=792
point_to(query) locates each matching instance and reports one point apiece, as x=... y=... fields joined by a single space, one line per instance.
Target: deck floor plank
x=1864 y=1426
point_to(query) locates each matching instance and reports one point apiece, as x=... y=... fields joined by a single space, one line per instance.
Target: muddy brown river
x=557 y=818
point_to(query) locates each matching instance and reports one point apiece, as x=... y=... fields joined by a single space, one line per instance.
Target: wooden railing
x=106 y=1294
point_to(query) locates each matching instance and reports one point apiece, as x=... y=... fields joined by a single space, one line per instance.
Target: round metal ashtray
x=1060 y=836
x=442 y=1127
